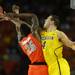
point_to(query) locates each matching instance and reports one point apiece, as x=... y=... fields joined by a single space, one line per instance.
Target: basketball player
x=53 y=41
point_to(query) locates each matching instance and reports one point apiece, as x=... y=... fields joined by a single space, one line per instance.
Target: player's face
x=48 y=22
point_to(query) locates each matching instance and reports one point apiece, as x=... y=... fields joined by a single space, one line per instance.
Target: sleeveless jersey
x=52 y=47
x=33 y=48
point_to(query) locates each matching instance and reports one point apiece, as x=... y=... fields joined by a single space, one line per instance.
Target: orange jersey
x=33 y=48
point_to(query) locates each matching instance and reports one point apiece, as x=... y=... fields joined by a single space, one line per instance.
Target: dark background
x=12 y=60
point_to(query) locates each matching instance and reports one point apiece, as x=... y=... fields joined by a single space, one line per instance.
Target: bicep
x=65 y=40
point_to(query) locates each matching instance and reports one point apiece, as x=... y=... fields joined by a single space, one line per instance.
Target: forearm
x=19 y=36
x=69 y=44
x=17 y=25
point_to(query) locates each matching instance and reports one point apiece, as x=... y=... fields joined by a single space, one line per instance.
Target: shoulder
x=60 y=34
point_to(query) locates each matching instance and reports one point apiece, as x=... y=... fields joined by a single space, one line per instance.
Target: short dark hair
x=55 y=19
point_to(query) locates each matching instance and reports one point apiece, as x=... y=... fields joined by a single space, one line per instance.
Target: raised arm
x=35 y=27
x=66 y=41
x=35 y=23
x=17 y=21
x=18 y=26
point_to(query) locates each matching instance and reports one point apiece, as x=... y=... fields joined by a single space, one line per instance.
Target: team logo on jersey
x=47 y=38
x=29 y=45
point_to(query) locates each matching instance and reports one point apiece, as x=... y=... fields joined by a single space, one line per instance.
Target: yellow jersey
x=52 y=47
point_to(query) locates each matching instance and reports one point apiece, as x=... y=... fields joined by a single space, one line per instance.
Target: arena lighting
x=72 y=4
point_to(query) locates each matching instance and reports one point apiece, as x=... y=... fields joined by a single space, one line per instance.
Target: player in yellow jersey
x=53 y=41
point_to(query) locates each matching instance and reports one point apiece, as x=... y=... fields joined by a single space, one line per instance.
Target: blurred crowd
x=12 y=60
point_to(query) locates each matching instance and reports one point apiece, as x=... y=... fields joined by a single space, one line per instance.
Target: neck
x=52 y=28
